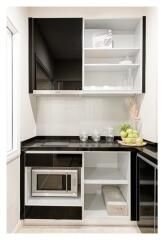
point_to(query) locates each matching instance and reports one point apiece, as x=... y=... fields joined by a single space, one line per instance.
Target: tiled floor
x=79 y=229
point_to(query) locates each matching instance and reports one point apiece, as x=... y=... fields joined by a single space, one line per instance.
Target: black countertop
x=72 y=143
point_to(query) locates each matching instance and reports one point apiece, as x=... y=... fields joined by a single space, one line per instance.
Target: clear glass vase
x=137 y=125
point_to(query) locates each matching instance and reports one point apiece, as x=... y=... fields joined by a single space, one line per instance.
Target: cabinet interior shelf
x=94 y=207
x=110 y=67
x=110 y=52
x=104 y=93
x=55 y=201
x=86 y=92
x=95 y=175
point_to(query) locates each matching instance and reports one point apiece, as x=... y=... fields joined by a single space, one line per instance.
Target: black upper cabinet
x=55 y=54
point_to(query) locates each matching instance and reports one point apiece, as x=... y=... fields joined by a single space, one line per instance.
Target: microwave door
x=45 y=183
x=53 y=182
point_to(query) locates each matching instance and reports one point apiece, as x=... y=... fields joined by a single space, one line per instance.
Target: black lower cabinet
x=147 y=195
x=47 y=181
x=156 y=202
x=51 y=212
x=133 y=191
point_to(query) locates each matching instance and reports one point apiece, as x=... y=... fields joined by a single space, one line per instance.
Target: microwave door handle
x=66 y=183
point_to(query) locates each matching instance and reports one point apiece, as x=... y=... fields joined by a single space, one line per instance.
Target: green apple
x=139 y=141
x=123 y=134
x=130 y=135
x=135 y=132
x=135 y=135
x=129 y=130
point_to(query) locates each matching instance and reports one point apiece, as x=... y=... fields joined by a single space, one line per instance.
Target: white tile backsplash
x=68 y=115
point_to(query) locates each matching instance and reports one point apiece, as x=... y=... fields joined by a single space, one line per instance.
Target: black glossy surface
x=55 y=54
x=57 y=212
x=53 y=160
x=147 y=196
x=51 y=182
x=22 y=183
x=156 y=202
x=150 y=152
x=133 y=186
x=72 y=143
x=37 y=160
x=31 y=56
x=144 y=55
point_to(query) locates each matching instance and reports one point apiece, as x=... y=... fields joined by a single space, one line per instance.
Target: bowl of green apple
x=130 y=136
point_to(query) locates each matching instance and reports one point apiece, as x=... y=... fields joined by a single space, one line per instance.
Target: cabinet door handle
x=146 y=160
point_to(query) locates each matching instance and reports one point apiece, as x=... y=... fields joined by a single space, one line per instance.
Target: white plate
x=132 y=145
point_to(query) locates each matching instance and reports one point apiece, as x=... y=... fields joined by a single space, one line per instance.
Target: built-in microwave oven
x=54 y=182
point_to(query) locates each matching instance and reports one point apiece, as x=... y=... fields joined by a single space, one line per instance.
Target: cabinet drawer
x=47 y=212
x=53 y=160
x=67 y=160
x=37 y=159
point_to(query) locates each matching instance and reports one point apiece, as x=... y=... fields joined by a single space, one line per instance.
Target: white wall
x=19 y=18
x=26 y=119
x=13 y=194
x=69 y=115
x=149 y=104
x=87 y=12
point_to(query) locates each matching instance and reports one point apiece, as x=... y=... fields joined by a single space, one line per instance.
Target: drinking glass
x=96 y=136
x=83 y=135
x=109 y=135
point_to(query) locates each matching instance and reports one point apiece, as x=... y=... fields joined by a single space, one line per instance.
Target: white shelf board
x=93 y=175
x=110 y=52
x=54 y=201
x=94 y=207
x=110 y=67
x=110 y=92
x=84 y=93
x=57 y=92
x=115 y=24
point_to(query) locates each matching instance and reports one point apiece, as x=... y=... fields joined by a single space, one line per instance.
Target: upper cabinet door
x=55 y=54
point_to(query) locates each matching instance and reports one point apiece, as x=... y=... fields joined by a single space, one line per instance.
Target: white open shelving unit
x=103 y=70
x=105 y=168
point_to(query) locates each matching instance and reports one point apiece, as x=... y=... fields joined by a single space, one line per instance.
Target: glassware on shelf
x=109 y=135
x=125 y=61
x=83 y=135
x=127 y=79
x=102 y=38
x=96 y=136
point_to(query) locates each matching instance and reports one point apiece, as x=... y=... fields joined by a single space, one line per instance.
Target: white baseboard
x=88 y=222
x=18 y=226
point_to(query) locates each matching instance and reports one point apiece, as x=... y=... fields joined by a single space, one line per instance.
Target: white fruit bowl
x=132 y=144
